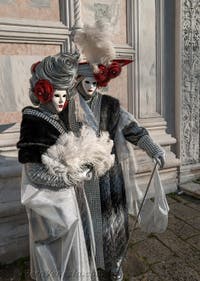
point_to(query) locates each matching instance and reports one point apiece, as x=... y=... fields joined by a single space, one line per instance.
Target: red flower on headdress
x=33 y=67
x=102 y=76
x=44 y=90
x=105 y=74
x=114 y=69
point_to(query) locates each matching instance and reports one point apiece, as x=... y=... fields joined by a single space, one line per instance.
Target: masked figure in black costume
x=106 y=195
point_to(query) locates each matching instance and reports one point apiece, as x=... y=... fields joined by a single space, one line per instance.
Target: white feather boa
x=71 y=155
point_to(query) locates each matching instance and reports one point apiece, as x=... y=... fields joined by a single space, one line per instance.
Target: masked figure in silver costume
x=106 y=195
x=61 y=238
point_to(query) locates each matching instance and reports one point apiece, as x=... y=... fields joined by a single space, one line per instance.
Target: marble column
x=188 y=88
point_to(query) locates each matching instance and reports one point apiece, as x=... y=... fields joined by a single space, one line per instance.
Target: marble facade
x=14 y=82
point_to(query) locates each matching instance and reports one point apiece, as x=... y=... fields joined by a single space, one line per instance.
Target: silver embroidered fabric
x=86 y=112
x=90 y=113
x=92 y=191
x=60 y=70
x=95 y=106
x=39 y=174
x=151 y=148
x=73 y=122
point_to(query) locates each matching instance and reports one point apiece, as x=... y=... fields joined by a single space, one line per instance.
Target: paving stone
x=19 y=270
x=137 y=236
x=194 y=206
x=182 y=249
x=8 y=273
x=150 y=276
x=186 y=199
x=133 y=265
x=183 y=211
x=171 y=200
x=195 y=241
x=191 y=256
x=152 y=251
x=175 y=269
x=195 y=222
x=181 y=228
x=171 y=241
x=171 y=217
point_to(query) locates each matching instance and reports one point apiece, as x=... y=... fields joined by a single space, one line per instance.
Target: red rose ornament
x=44 y=90
x=114 y=69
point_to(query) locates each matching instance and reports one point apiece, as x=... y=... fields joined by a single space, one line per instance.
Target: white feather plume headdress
x=95 y=43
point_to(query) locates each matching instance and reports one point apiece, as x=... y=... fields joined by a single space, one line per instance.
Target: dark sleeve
x=64 y=117
x=31 y=154
x=35 y=138
x=133 y=133
x=110 y=114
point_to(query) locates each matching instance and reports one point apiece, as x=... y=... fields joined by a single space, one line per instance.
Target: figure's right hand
x=160 y=159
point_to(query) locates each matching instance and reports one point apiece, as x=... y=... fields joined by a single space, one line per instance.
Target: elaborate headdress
x=53 y=72
x=94 y=42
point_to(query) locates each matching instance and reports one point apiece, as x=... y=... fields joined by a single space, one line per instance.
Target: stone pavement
x=173 y=255
x=170 y=256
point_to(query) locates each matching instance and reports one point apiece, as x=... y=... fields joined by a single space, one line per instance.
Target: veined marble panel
x=34 y=9
x=6 y=1
x=113 y=12
x=147 y=58
x=28 y=49
x=118 y=88
x=40 y=3
x=9 y=118
x=14 y=82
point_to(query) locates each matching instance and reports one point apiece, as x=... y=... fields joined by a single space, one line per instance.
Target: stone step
x=10 y=128
x=9 y=168
x=15 y=249
x=11 y=209
x=191 y=188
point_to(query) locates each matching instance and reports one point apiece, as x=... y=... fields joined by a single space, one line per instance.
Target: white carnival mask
x=89 y=85
x=59 y=99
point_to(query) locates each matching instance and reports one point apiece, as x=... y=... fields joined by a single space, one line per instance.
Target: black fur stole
x=36 y=136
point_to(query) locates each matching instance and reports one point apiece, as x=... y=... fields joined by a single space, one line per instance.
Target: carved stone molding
x=190 y=129
x=42 y=31
x=32 y=31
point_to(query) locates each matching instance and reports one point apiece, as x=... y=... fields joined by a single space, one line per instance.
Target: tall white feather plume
x=71 y=155
x=95 y=43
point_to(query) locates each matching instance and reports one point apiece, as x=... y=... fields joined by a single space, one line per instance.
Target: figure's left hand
x=87 y=172
x=160 y=159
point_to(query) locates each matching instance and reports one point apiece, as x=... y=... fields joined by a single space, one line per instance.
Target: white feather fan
x=72 y=155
